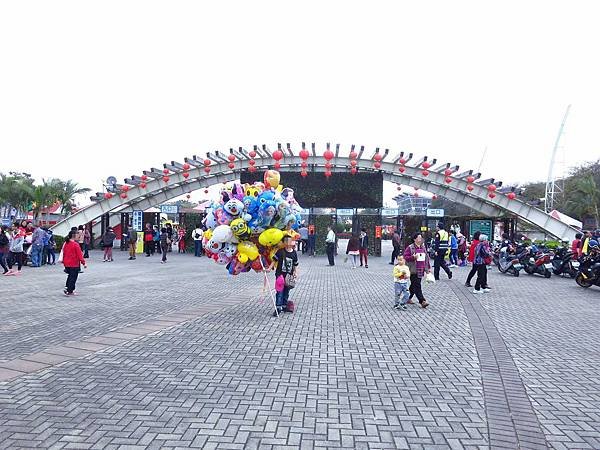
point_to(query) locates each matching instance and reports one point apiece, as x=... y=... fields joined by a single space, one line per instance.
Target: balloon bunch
x=246 y=226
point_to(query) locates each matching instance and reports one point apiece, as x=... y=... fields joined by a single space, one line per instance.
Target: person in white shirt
x=330 y=245
x=197 y=235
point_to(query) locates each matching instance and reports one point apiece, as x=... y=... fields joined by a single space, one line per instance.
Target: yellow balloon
x=272 y=178
x=208 y=234
x=270 y=237
x=247 y=251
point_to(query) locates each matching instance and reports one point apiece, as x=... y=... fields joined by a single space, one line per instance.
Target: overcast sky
x=91 y=89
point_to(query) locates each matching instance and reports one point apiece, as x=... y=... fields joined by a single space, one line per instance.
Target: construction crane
x=551 y=186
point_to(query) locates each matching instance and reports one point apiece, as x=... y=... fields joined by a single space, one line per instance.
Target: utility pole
x=551 y=187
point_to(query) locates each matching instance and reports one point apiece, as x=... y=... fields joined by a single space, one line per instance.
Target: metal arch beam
x=157 y=191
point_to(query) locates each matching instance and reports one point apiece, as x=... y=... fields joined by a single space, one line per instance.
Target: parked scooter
x=509 y=261
x=538 y=262
x=564 y=262
x=589 y=269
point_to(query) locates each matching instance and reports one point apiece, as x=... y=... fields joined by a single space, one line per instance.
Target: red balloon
x=125 y=188
x=425 y=172
x=426 y=165
x=186 y=166
x=304 y=154
x=377 y=164
x=277 y=165
x=328 y=165
x=353 y=155
x=470 y=187
x=304 y=173
x=304 y=164
x=403 y=161
x=207 y=170
x=353 y=171
x=123 y=195
x=492 y=188
x=166 y=171
x=252 y=154
x=353 y=163
x=231 y=157
x=448 y=172
x=251 y=162
x=186 y=174
x=470 y=179
x=143 y=185
x=448 y=180
x=511 y=195
x=207 y=162
x=402 y=169
x=277 y=155
x=377 y=157
x=144 y=177
x=108 y=195
x=328 y=155
x=166 y=179
x=491 y=195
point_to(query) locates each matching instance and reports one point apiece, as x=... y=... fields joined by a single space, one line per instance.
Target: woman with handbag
x=418 y=262
x=483 y=257
x=285 y=262
x=106 y=242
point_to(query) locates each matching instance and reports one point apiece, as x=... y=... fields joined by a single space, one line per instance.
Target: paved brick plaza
x=152 y=356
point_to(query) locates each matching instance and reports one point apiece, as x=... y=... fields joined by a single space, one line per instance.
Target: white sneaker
x=487 y=290
x=475 y=291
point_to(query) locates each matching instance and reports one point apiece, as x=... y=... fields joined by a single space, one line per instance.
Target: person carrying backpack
x=4 y=241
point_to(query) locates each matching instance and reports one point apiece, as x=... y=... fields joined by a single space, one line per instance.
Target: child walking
x=401 y=277
x=72 y=258
x=164 y=244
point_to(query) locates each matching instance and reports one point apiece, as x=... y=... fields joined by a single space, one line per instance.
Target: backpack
x=3 y=240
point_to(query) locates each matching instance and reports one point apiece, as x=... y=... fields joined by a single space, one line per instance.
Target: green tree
x=583 y=197
x=67 y=190
x=16 y=190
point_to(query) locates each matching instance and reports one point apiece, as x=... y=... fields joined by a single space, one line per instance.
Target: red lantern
x=186 y=166
x=304 y=164
x=353 y=155
x=108 y=196
x=402 y=169
x=491 y=195
x=252 y=154
x=304 y=173
x=166 y=179
x=277 y=155
x=353 y=163
x=206 y=191
x=231 y=157
x=511 y=195
x=143 y=185
x=448 y=180
x=448 y=172
x=186 y=175
x=403 y=161
x=353 y=171
x=125 y=188
x=470 y=187
x=123 y=195
x=434 y=197
x=377 y=164
x=207 y=162
x=304 y=153
x=399 y=188
x=251 y=169
x=425 y=172
x=328 y=155
x=144 y=177
x=277 y=165
x=491 y=187
x=416 y=194
x=188 y=196
x=470 y=179
x=231 y=165
x=328 y=165
x=207 y=170
x=426 y=165
x=251 y=162
x=377 y=157
x=327 y=173
x=166 y=171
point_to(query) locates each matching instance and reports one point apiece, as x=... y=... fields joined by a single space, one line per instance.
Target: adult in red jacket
x=148 y=239
x=471 y=258
x=72 y=258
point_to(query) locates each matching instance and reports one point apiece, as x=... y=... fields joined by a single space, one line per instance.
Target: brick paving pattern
x=344 y=371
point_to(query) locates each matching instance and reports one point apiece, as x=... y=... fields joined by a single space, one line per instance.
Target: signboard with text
x=378 y=232
x=137 y=220
x=483 y=226
x=389 y=212
x=435 y=212
x=169 y=209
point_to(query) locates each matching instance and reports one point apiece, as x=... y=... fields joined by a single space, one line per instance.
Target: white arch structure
x=158 y=191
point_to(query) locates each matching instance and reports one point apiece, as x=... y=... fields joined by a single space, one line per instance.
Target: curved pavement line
x=512 y=422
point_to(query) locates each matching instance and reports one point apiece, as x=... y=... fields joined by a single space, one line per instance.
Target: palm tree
x=66 y=193
x=16 y=191
x=44 y=196
x=584 y=197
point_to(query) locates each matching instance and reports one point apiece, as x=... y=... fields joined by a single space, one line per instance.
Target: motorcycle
x=537 y=261
x=564 y=262
x=509 y=262
x=589 y=271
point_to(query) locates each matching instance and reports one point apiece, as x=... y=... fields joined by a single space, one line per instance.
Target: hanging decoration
x=448 y=180
x=207 y=163
x=186 y=175
x=108 y=195
x=470 y=179
x=166 y=179
x=143 y=185
x=511 y=195
x=470 y=187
